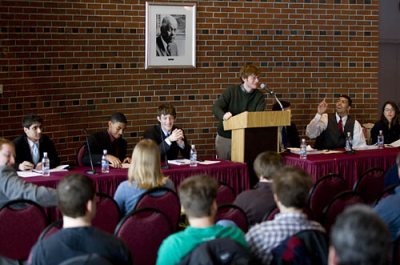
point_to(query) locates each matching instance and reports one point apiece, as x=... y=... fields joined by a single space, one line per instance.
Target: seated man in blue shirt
x=77 y=202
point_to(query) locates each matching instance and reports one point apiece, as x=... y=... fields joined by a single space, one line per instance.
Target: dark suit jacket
x=154 y=133
x=101 y=140
x=23 y=151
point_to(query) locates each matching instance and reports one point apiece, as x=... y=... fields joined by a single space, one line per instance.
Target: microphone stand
x=93 y=171
x=166 y=165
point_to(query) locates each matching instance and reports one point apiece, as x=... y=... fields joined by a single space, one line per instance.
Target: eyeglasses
x=388 y=110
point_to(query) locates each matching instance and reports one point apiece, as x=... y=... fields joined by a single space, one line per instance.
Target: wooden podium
x=255 y=132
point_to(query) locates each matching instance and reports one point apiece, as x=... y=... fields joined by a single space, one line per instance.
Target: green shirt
x=177 y=246
x=236 y=101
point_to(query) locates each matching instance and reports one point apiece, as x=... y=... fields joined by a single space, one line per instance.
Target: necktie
x=340 y=125
x=35 y=153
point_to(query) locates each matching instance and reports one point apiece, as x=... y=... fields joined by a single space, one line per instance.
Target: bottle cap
x=44 y=153
x=104 y=151
x=193 y=146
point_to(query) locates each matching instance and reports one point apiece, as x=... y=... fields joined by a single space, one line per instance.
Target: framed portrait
x=170 y=35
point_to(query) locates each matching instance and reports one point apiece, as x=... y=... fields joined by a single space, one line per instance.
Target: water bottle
x=381 y=140
x=45 y=165
x=105 y=167
x=349 y=143
x=193 y=156
x=303 y=149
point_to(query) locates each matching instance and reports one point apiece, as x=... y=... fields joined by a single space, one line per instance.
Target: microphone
x=93 y=171
x=166 y=165
x=272 y=93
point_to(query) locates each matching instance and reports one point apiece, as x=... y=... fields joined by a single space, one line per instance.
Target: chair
x=51 y=229
x=322 y=192
x=233 y=213
x=218 y=251
x=21 y=222
x=307 y=247
x=225 y=194
x=270 y=215
x=87 y=259
x=80 y=154
x=337 y=206
x=108 y=213
x=366 y=127
x=386 y=192
x=163 y=199
x=143 y=231
x=370 y=184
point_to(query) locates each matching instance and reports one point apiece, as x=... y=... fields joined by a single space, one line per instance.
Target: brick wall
x=76 y=62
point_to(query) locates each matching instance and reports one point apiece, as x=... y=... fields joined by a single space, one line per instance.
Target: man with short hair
x=13 y=187
x=330 y=130
x=259 y=201
x=198 y=199
x=32 y=144
x=111 y=140
x=290 y=186
x=170 y=138
x=77 y=202
x=359 y=237
x=166 y=45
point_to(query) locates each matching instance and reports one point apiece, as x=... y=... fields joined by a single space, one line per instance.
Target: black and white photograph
x=170 y=35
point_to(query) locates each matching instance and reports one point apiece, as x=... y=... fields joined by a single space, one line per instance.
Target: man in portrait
x=166 y=45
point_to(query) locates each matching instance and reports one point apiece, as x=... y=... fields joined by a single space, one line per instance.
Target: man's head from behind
x=7 y=152
x=267 y=164
x=291 y=186
x=32 y=125
x=117 y=124
x=359 y=237
x=168 y=28
x=76 y=196
x=198 y=196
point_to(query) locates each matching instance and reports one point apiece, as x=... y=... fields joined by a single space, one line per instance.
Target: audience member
x=32 y=144
x=389 y=124
x=77 y=202
x=166 y=45
x=198 y=198
x=331 y=129
x=170 y=138
x=144 y=173
x=290 y=187
x=392 y=175
x=289 y=134
x=259 y=201
x=359 y=237
x=388 y=208
x=111 y=140
x=13 y=187
x=235 y=100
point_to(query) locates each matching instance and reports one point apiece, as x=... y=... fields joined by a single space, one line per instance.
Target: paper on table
x=28 y=174
x=179 y=162
x=365 y=147
x=209 y=162
x=60 y=168
x=395 y=144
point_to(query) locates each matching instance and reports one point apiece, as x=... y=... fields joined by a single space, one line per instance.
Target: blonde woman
x=144 y=173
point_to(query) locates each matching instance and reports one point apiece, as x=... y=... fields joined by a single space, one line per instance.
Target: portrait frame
x=164 y=49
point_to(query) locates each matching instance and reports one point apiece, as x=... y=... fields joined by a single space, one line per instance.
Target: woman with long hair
x=144 y=173
x=389 y=123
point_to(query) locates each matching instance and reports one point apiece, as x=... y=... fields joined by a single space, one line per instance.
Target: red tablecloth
x=350 y=166
x=232 y=173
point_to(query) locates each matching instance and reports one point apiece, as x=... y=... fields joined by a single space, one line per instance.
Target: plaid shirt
x=263 y=237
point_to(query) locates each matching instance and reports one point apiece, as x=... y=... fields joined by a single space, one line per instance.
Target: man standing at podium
x=235 y=100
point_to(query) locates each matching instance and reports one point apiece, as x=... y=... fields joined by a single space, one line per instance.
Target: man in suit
x=166 y=45
x=170 y=138
x=12 y=187
x=32 y=144
x=330 y=130
x=111 y=140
